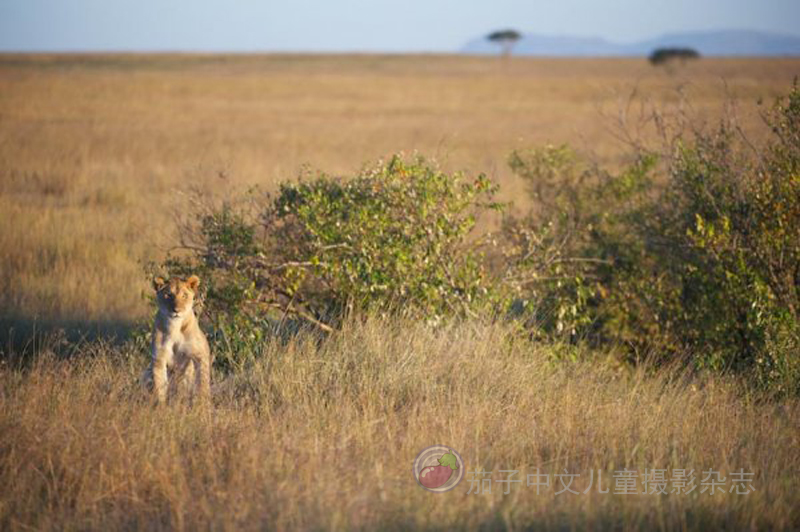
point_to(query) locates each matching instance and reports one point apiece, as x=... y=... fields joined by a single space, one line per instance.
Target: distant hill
x=723 y=42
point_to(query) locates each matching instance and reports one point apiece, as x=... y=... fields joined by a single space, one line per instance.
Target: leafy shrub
x=703 y=258
x=573 y=249
x=738 y=218
x=696 y=252
x=396 y=234
x=543 y=248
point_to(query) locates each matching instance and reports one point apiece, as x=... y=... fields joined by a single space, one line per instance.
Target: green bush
x=691 y=255
x=573 y=253
x=699 y=253
x=397 y=235
x=737 y=216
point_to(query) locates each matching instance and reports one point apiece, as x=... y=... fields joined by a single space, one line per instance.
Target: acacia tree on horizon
x=506 y=39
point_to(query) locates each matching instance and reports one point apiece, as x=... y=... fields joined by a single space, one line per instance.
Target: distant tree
x=660 y=56
x=506 y=39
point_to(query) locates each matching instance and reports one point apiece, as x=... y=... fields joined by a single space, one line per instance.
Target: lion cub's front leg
x=162 y=353
x=202 y=364
x=185 y=373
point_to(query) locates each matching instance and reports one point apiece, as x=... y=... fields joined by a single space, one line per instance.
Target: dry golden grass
x=95 y=154
x=319 y=436
x=96 y=150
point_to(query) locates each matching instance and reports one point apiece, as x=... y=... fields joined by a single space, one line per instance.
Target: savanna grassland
x=323 y=436
x=99 y=154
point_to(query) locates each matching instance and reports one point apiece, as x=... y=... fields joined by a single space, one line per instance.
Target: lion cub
x=178 y=342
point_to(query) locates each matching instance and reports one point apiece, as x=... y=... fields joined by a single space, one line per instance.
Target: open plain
x=98 y=155
x=97 y=152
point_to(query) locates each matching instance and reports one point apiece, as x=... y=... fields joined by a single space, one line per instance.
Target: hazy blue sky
x=360 y=25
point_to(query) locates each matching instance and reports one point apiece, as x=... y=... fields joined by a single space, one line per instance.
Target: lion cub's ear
x=193 y=282
x=158 y=283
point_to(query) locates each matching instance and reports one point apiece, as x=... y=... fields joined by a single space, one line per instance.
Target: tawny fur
x=180 y=351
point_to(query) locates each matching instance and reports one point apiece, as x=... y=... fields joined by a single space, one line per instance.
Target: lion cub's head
x=176 y=296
